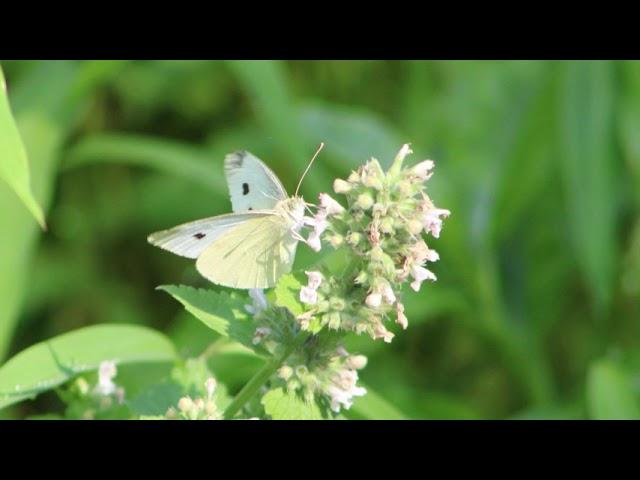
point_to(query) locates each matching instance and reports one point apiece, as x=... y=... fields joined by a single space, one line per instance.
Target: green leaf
x=610 y=394
x=14 y=165
x=373 y=407
x=588 y=164
x=220 y=311
x=48 y=364
x=287 y=293
x=281 y=405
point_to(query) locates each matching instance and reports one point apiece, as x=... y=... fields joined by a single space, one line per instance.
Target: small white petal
x=315 y=279
x=373 y=300
x=330 y=205
x=308 y=296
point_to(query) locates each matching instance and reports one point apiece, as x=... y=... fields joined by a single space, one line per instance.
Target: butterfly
x=252 y=247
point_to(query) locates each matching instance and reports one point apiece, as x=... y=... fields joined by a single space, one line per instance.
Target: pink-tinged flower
x=210 y=387
x=259 y=301
x=343 y=388
x=432 y=221
x=402 y=318
x=420 y=274
x=380 y=332
x=319 y=224
x=422 y=170
x=260 y=334
x=387 y=295
x=314 y=279
x=373 y=300
x=432 y=256
x=309 y=294
x=330 y=206
x=106 y=372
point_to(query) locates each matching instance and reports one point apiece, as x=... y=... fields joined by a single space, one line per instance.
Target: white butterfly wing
x=191 y=239
x=253 y=254
x=252 y=185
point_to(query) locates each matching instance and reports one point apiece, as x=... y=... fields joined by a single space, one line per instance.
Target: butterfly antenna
x=308 y=167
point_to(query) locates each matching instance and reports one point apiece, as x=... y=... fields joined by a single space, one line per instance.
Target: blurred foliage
x=536 y=312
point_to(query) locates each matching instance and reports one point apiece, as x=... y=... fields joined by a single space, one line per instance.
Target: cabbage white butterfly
x=252 y=247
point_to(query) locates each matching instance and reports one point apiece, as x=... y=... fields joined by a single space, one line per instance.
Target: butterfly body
x=252 y=247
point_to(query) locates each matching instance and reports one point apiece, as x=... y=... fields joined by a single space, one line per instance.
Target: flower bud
x=335 y=240
x=185 y=404
x=354 y=177
x=210 y=408
x=337 y=303
x=334 y=320
x=357 y=362
x=386 y=225
x=340 y=186
x=354 y=238
x=285 y=372
x=365 y=201
x=373 y=300
x=414 y=227
x=404 y=188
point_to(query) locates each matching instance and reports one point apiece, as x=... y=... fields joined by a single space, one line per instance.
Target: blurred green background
x=536 y=312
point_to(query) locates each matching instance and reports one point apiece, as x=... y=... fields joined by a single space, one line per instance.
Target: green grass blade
x=14 y=165
x=588 y=164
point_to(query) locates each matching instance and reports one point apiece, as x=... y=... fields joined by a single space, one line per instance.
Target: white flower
x=381 y=332
x=106 y=372
x=388 y=295
x=432 y=256
x=315 y=279
x=260 y=333
x=343 y=388
x=373 y=300
x=330 y=206
x=259 y=301
x=340 y=186
x=422 y=169
x=402 y=318
x=210 y=386
x=420 y=274
x=309 y=294
x=432 y=221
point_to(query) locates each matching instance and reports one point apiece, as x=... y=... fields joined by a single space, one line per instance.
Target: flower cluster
x=200 y=408
x=328 y=374
x=383 y=225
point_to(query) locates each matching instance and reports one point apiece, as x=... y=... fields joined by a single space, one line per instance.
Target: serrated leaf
x=48 y=364
x=287 y=293
x=281 y=405
x=14 y=165
x=220 y=311
x=609 y=393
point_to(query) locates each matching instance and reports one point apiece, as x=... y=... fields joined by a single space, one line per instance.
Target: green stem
x=260 y=378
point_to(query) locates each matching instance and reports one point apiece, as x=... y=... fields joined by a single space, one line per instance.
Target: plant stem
x=259 y=379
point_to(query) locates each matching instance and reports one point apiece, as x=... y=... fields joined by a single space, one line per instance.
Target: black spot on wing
x=200 y=235
x=250 y=208
x=245 y=188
